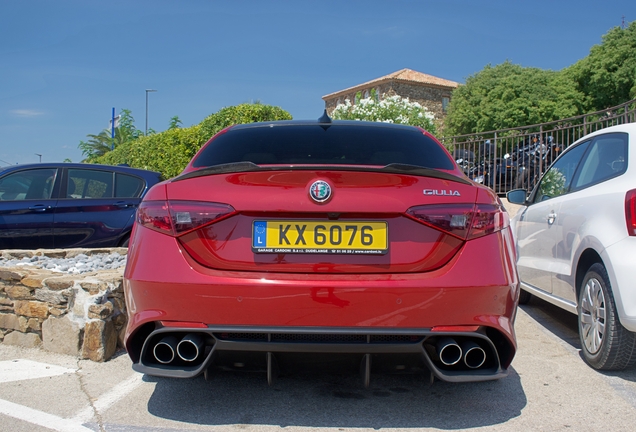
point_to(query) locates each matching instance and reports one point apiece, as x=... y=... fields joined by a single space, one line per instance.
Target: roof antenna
x=325 y=118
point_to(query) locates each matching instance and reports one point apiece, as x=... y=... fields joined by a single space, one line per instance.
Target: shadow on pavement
x=332 y=400
x=564 y=325
x=557 y=321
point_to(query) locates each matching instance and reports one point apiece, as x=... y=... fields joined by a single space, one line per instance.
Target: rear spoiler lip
x=238 y=167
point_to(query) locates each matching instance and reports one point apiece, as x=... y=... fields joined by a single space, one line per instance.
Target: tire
x=605 y=343
x=524 y=297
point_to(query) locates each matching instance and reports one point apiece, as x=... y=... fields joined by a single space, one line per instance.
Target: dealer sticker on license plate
x=323 y=237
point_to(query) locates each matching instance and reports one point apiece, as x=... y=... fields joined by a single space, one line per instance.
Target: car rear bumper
x=178 y=296
x=475 y=356
x=619 y=261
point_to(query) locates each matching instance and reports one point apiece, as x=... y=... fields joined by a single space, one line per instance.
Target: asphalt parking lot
x=549 y=388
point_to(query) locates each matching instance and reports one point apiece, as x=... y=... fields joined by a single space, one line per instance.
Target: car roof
x=626 y=127
x=146 y=174
x=339 y=123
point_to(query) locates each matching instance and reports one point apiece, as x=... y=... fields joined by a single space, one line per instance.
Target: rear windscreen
x=324 y=144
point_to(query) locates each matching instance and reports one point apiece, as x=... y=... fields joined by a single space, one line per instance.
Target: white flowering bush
x=391 y=109
x=553 y=183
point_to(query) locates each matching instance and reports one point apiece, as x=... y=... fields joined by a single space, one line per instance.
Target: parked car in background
x=333 y=240
x=576 y=242
x=64 y=205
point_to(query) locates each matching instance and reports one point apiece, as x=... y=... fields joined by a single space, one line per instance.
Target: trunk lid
x=362 y=226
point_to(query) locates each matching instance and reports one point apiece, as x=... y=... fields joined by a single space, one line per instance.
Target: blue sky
x=66 y=63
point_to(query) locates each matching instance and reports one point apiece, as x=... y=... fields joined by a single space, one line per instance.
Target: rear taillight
x=179 y=217
x=630 y=212
x=464 y=221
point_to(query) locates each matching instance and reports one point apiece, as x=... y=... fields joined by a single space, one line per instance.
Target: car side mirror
x=517 y=196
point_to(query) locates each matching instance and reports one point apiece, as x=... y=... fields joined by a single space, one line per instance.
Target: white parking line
x=18 y=370
x=40 y=418
x=110 y=398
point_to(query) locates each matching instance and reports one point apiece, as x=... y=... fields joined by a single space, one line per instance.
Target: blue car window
x=86 y=184
x=31 y=184
x=607 y=158
x=127 y=186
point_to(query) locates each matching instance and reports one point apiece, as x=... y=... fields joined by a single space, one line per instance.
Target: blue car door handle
x=123 y=204
x=39 y=208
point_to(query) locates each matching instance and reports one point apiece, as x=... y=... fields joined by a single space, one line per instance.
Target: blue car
x=65 y=205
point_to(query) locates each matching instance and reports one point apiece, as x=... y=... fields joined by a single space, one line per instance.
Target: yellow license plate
x=323 y=237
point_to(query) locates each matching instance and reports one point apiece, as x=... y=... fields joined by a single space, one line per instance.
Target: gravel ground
x=80 y=263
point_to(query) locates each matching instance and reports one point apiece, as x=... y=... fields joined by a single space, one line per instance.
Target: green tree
x=508 y=95
x=96 y=146
x=175 y=123
x=391 y=109
x=239 y=114
x=608 y=74
x=102 y=143
x=127 y=126
x=170 y=151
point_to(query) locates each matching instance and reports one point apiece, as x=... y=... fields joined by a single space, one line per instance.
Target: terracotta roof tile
x=405 y=75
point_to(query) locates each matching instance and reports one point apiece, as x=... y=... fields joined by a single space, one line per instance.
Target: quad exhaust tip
x=190 y=347
x=474 y=355
x=164 y=350
x=449 y=351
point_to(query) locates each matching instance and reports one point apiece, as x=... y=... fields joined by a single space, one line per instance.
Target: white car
x=576 y=242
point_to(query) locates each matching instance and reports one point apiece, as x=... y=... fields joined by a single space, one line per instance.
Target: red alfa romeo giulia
x=326 y=240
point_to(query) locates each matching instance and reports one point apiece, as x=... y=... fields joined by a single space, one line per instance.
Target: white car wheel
x=605 y=343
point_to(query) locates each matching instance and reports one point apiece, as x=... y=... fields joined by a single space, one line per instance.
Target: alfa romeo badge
x=320 y=191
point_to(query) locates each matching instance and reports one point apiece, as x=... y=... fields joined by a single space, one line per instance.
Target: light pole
x=38 y=154
x=147 y=91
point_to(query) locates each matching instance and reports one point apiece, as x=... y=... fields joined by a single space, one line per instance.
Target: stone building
x=429 y=91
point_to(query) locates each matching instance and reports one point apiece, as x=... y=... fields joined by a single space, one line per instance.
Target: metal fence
x=516 y=157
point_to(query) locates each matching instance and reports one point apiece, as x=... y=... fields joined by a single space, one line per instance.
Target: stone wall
x=430 y=97
x=81 y=315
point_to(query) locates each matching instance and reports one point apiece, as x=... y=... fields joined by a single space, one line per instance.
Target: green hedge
x=240 y=114
x=170 y=151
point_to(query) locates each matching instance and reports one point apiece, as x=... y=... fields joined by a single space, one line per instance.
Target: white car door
x=539 y=229
x=591 y=212
x=536 y=241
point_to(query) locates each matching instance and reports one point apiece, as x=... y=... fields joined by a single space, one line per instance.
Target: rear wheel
x=605 y=343
x=125 y=242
